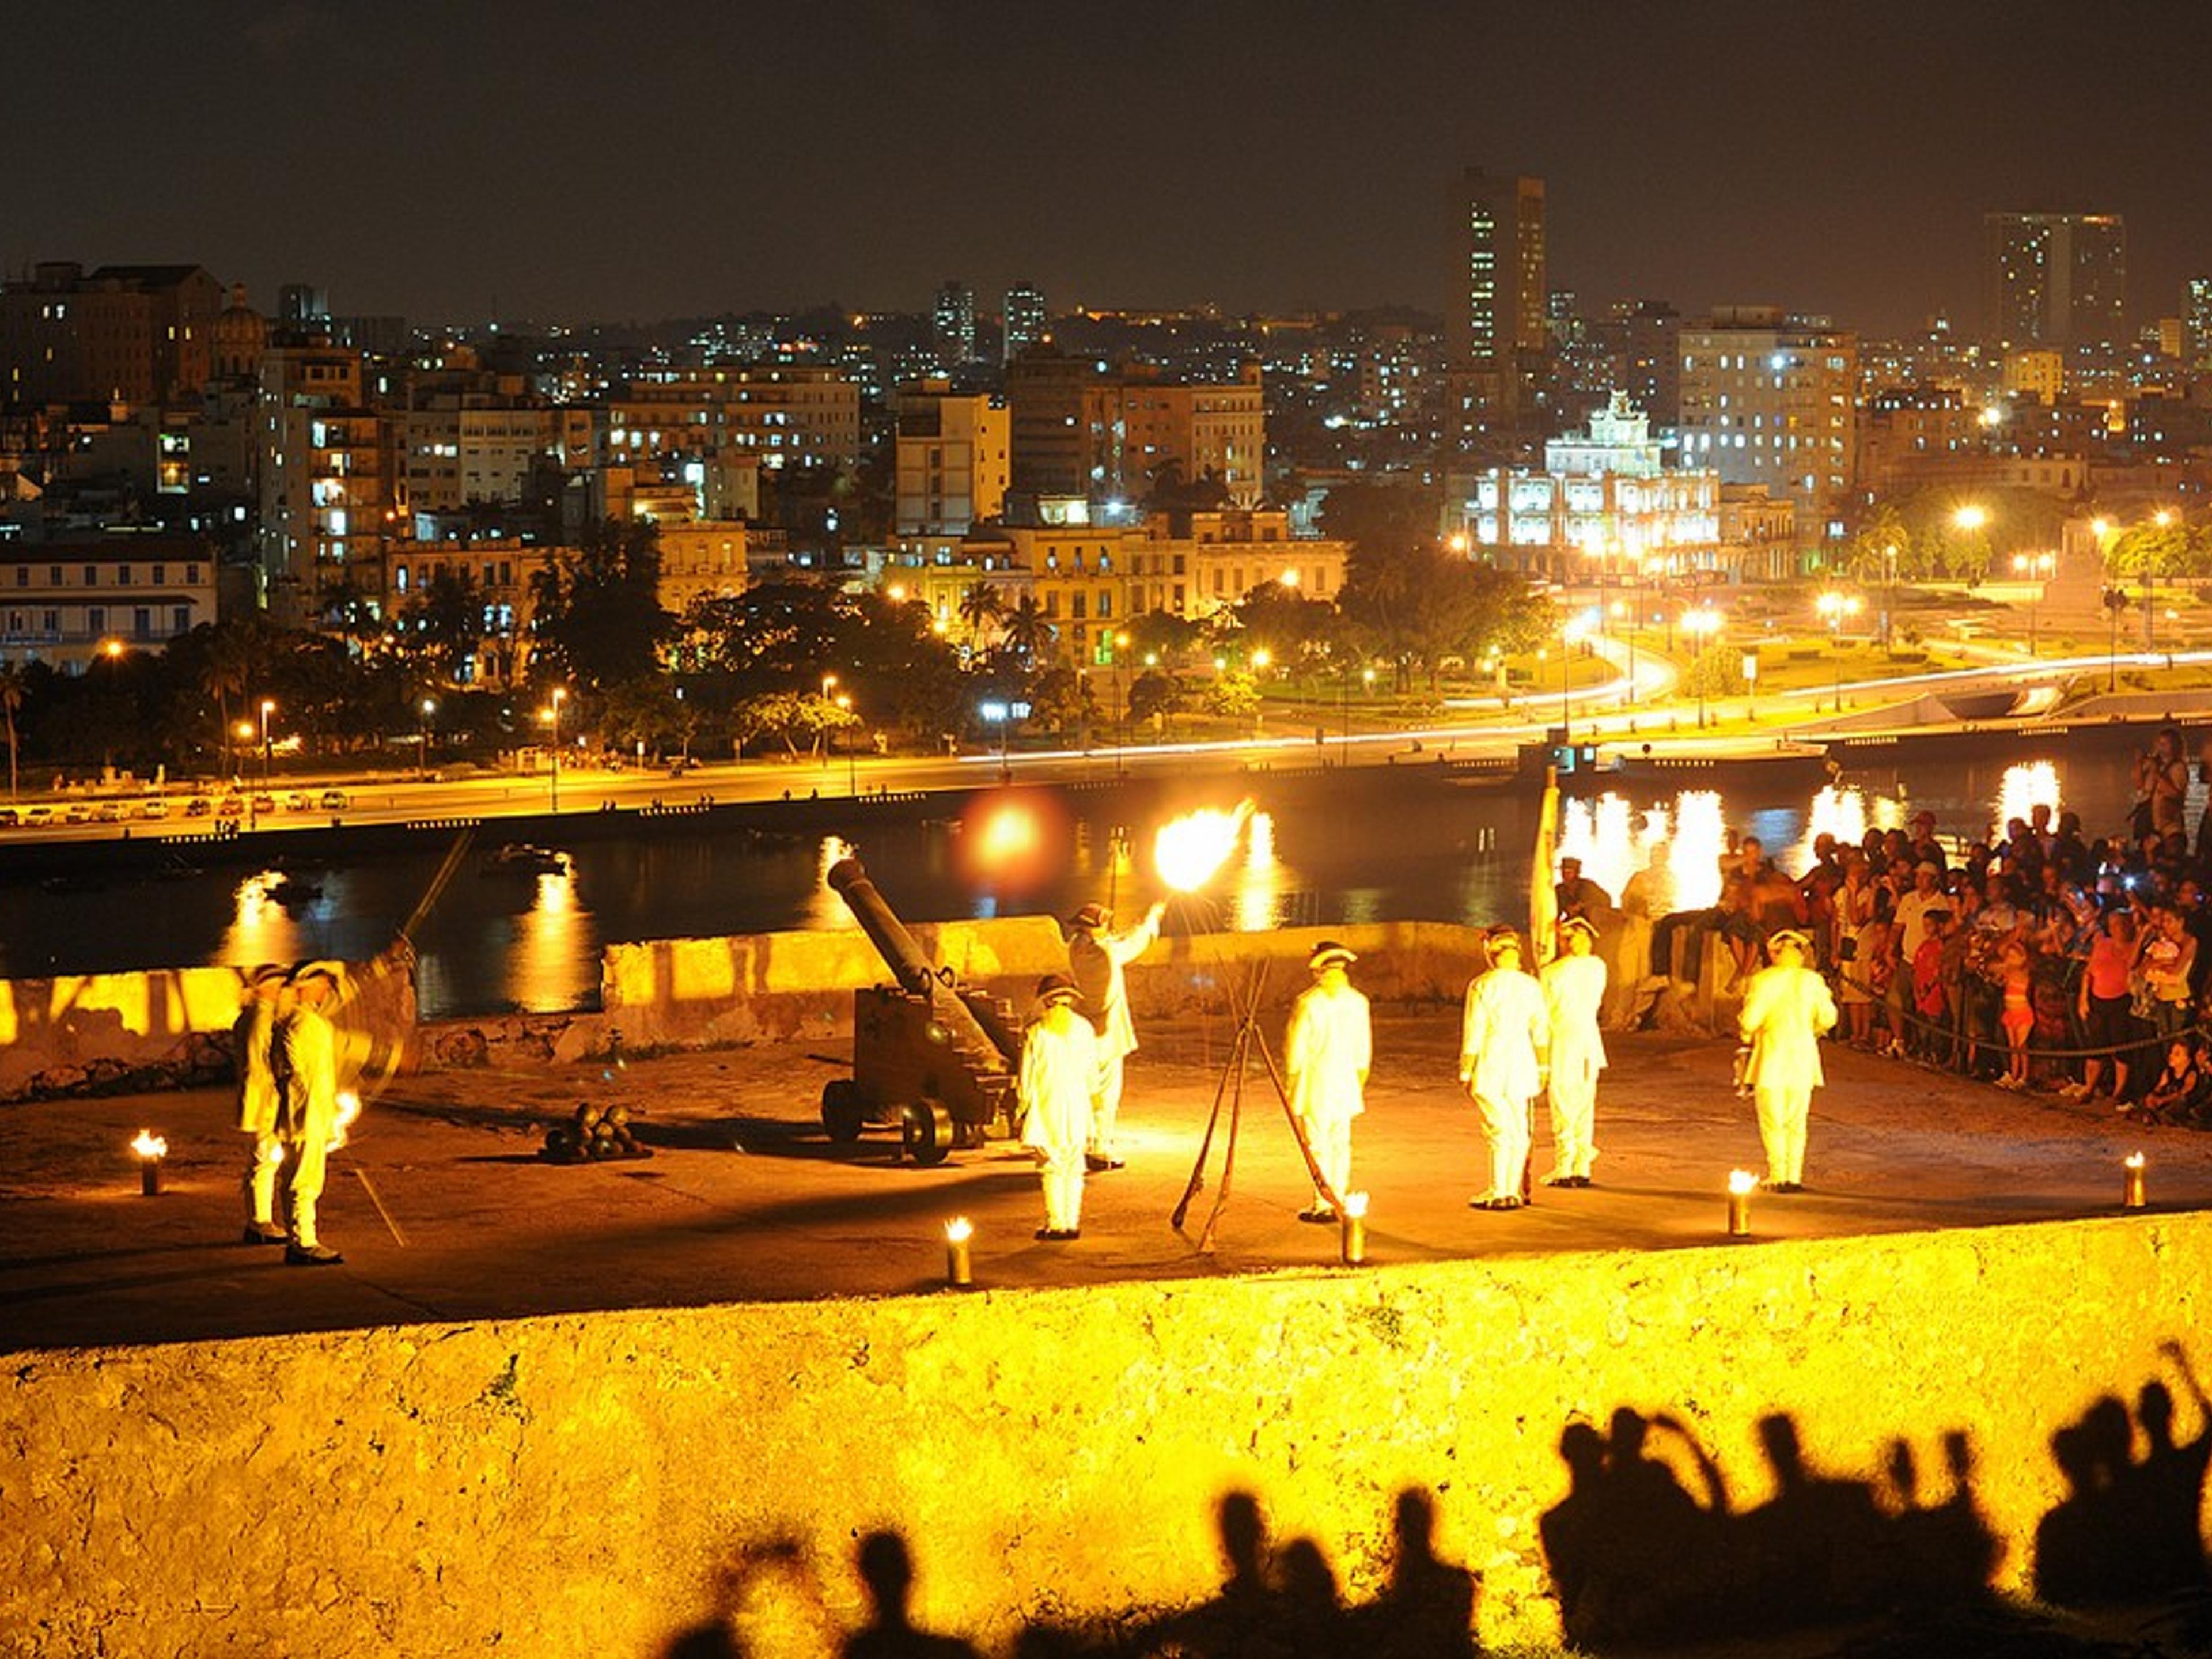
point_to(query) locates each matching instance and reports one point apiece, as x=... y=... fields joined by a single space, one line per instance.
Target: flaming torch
x=2131 y=1192
x=1355 y=1229
x=348 y=1110
x=1189 y=850
x=151 y=1149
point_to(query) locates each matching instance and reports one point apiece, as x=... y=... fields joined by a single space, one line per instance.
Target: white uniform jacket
x=1504 y=1036
x=1327 y=1052
x=1574 y=992
x=1096 y=960
x=1058 y=1081
x=1785 y=1010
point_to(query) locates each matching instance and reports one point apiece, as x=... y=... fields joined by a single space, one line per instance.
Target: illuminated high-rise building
x=1495 y=327
x=2197 y=324
x=1025 y=323
x=2054 y=279
x=955 y=324
x=1770 y=399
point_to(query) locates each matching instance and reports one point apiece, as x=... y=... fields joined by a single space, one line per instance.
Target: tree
x=12 y=687
x=445 y=624
x=1028 y=632
x=2159 y=551
x=981 y=605
x=1155 y=696
x=791 y=715
x=596 y=615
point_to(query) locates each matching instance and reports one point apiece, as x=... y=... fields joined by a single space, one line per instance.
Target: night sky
x=452 y=161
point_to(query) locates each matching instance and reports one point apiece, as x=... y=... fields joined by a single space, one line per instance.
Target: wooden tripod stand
x=1249 y=1039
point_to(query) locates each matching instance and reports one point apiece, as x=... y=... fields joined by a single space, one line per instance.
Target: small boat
x=517 y=858
x=292 y=893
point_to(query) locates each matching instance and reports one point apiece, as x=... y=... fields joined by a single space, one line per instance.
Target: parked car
x=199 y=807
x=152 y=809
x=9 y=818
x=229 y=806
x=110 y=812
x=297 y=801
x=335 y=801
x=264 y=804
x=77 y=812
x=37 y=818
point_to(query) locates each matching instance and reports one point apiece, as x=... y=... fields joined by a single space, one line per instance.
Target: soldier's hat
x=1056 y=988
x=324 y=970
x=1581 y=924
x=1329 y=954
x=267 y=972
x=1505 y=936
x=1787 y=936
x=1091 y=915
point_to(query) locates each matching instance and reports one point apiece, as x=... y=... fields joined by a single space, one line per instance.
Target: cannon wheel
x=925 y=1131
x=844 y=1113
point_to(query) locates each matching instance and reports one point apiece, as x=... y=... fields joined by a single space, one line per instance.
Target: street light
x=828 y=686
x=422 y=737
x=551 y=715
x=1122 y=700
x=1700 y=624
x=852 y=766
x=268 y=707
x=2038 y=568
x=1834 y=607
x=1576 y=631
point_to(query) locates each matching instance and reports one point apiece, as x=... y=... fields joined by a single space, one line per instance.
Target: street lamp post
x=1121 y=701
x=268 y=707
x=852 y=765
x=1700 y=624
x=828 y=686
x=1834 y=607
x=1570 y=636
x=423 y=737
x=552 y=717
x=2038 y=569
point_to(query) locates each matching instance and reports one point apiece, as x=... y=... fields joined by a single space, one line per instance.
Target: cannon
x=932 y=1057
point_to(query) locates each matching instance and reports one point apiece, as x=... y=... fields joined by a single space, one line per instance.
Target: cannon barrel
x=986 y=1048
x=849 y=879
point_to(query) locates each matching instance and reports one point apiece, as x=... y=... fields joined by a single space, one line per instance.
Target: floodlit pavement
x=745 y=1199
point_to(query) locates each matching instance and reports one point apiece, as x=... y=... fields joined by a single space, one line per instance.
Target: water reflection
x=2024 y=788
x=1614 y=839
x=261 y=930
x=1257 y=903
x=555 y=947
x=825 y=910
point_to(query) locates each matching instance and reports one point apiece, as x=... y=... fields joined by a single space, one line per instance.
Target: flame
x=2133 y=1160
x=1741 y=1182
x=348 y=1109
x=272 y=1154
x=149 y=1146
x=2025 y=789
x=959 y=1229
x=1191 y=849
x=1355 y=1206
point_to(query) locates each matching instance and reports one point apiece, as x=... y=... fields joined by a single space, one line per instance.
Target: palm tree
x=1027 y=632
x=11 y=699
x=981 y=605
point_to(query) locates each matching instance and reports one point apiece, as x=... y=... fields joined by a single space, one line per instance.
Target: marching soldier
x=1095 y=958
x=1786 y=1009
x=260 y=1099
x=1504 y=1038
x=1326 y=1053
x=1059 y=1084
x=306 y=1055
x=1574 y=993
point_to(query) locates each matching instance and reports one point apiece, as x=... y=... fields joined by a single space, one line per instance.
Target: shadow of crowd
x=1648 y=1550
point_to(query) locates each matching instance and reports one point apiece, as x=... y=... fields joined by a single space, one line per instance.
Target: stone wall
x=169 y=1028
x=598 y=1484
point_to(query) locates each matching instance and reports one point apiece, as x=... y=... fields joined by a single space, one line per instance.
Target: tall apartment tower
x=2054 y=279
x=1770 y=399
x=2197 y=324
x=1024 y=319
x=955 y=324
x=1494 y=308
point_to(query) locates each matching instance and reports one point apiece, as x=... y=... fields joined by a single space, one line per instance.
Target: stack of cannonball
x=594 y=1133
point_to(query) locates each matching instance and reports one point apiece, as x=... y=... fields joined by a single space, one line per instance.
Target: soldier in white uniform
x=1096 y=958
x=1786 y=1009
x=306 y=1055
x=1326 y=1053
x=260 y=1099
x=1059 y=1084
x=1574 y=994
x=1503 y=1041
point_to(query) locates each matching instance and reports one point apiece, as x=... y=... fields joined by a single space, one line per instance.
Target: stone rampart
x=600 y=1483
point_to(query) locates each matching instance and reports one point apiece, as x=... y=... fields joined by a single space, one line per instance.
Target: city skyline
x=555 y=163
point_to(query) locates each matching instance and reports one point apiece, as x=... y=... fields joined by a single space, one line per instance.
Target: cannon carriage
x=933 y=1058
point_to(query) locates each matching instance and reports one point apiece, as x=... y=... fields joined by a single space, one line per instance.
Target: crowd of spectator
x=2038 y=960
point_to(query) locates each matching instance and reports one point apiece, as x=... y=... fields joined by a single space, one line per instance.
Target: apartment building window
x=160 y=575
x=22 y=575
x=95 y=619
x=180 y=619
x=141 y=623
x=192 y=576
x=122 y=575
x=92 y=575
x=53 y=576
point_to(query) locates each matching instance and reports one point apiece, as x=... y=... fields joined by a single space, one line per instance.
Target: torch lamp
x=959 y=1263
x=151 y=1149
x=1741 y=1182
x=2132 y=1191
x=1354 y=1220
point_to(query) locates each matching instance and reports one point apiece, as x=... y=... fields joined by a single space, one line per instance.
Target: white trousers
x=1108 y=1111
x=1506 y=1127
x=1330 y=1138
x=1574 y=1119
x=1062 y=1170
x=1782 y=1115
x=261 y=1179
